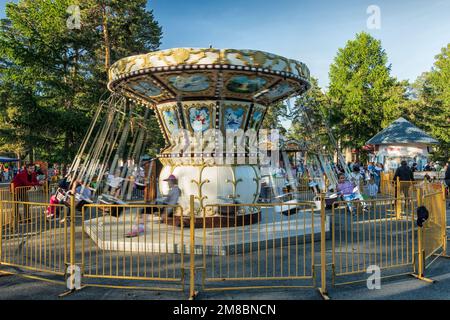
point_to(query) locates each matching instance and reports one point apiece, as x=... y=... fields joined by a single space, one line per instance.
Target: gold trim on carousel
x=234 y=184
x=200 y=184
x=192 y=56
x=258 y=189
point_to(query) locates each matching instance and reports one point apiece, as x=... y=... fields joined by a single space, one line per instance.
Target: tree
x=121 y=28
x=316 y=105
x=360 y=84
x=52 y=77
x=431 y=105
x=273 y=116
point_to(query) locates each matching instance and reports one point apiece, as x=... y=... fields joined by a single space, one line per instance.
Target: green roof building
x=401 y=140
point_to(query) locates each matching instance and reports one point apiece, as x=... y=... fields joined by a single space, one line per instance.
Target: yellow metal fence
x=368 y=235
x=434 y=229
x=37 y=244
x=36 y=194
x=156 y=253
x=225 y=246
x=249 y=245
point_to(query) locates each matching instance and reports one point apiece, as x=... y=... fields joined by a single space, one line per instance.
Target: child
x=348 y=192
x=372 y=188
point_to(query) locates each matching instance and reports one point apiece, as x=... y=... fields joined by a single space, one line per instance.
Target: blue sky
x=412 y=31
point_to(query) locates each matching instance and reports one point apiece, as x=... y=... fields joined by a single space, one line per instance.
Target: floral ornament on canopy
x=200 y=119
x=234 y=118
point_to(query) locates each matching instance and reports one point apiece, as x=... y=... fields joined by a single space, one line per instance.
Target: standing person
x=406 y=176
x=279 y=175
x=6 y=174
x=356 y=177
x=447 y=178
x=377 y=174
x=26 y=178
x=370 y=170
x=372 y=188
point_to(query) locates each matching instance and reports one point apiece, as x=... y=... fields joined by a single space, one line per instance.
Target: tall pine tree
x=52 y=76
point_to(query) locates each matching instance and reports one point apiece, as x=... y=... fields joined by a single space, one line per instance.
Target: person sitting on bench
x=171 y=199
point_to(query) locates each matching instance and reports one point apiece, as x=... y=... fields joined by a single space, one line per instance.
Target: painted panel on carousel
x=256 y=118
x=145 y=88
x=245 y=84
x=234 y=117
x=171 y=120
x=189 y=83
x=280 y=90
x=199 y=118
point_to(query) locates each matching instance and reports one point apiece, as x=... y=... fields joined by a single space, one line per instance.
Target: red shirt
x=22 y=180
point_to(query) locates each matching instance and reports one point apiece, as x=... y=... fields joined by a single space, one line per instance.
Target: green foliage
x=430 y=108
x=52 y=77
x=316 y=105
x=360 y=84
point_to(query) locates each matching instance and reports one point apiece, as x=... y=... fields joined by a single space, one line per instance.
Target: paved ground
x=402 y=287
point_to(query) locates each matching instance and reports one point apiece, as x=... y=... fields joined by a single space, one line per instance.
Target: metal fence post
x=73 y=272
x=421 y=253
x=323 y=261
x=192 y=292
x=398 y=203
x=443 y=211
x=420 y=238
x=72 y=230
x=1 y=231
x=15 y=206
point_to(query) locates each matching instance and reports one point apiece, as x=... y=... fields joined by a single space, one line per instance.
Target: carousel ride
x=199 y=97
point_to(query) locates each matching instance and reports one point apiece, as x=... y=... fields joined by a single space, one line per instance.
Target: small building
x=401 y=140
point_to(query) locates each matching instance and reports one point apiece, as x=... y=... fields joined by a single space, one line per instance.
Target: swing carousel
x=208 y=90
x=199 y=97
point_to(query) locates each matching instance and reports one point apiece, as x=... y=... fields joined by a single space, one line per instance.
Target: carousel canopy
x=401 y=131
x=216 y=74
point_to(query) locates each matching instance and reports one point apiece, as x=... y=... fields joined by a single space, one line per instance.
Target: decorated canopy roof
x=402 y=131
x=212 y=74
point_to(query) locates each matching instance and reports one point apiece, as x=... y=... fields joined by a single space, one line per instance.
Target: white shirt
x=114 y=181
x=172 y=196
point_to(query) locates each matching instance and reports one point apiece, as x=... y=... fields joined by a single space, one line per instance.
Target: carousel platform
x=272 y=230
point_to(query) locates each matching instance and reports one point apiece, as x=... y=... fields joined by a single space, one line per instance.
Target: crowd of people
x=55 y=172
x=365 y=178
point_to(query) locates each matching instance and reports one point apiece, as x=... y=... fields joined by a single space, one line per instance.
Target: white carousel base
x=274 y=230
